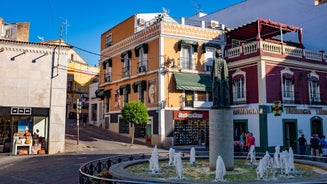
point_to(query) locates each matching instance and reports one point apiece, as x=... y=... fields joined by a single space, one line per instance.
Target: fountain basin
x=125 y=171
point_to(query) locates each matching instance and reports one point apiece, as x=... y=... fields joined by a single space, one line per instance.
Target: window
x=142 y=60
x=141 y=52
x=107 y=103
x=140 y=87
x=186 y=57
x=239 y=92
x=127 y=65
x=125 y=91
x=209 y=58
x=109 y=40
x=108 y=72
x=140 y=93
x=287 y=88
x=125 y=95
x=189 y=98
x=314 y=96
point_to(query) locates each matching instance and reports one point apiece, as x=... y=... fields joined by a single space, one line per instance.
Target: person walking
x=315 y=145
x=323 y=146
x=302 y=142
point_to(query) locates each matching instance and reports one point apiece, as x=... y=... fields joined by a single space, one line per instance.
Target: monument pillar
x=221 y=138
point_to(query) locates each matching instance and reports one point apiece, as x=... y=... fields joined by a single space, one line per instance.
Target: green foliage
x=135 y=112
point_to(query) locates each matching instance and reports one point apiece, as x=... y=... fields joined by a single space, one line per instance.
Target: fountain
x=192 y=156
x=291 y=160
x=277 y=157
x=171 y=157
x=154 y=161
x=265 y=169
x=179 y=165
x=220 y=169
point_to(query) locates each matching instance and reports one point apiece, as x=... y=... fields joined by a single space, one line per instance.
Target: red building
x=264 y=69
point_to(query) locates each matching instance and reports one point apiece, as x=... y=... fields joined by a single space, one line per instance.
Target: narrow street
x=94 y=143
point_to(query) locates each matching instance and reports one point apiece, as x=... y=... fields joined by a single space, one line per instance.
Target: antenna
x=165 y=11
x=66 y=25
x=198 y=7
x=41 y=38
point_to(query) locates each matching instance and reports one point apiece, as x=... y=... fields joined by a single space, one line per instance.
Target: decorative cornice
x=158 y=29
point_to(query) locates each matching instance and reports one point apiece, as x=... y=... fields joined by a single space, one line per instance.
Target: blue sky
x=87 y=20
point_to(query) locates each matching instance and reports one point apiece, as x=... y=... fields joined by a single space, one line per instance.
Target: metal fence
x=97 y=171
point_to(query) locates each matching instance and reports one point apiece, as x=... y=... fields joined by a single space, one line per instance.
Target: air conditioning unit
x=140 y=22
x=214 y=24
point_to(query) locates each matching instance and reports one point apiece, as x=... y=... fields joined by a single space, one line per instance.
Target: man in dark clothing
x=315 y=145
x=302 y=142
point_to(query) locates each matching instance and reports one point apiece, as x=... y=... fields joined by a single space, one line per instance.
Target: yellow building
x=165 y=64
x=79 y=77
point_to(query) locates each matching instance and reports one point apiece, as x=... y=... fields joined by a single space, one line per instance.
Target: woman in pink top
x=251 y=140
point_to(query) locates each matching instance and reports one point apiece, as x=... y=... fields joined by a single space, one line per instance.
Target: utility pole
x=78 y=111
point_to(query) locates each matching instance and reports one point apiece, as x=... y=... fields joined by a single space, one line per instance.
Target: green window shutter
x=145 y=48
x=135 y=87
x=143 y=85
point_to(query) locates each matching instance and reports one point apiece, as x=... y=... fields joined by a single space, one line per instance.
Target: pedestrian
x=315 y=145
x=242 y=137
x=246 y=145
x=84 y=119
x=302 y=142
x=323 y=146
x=251 y=140
x=238 y=146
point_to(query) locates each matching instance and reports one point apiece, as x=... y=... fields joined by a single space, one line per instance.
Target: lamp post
x=78 y=111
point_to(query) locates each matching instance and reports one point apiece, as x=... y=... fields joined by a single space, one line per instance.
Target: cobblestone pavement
x=94 y=143
x=62 y=168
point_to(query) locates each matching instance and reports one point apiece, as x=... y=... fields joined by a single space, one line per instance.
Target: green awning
x=192 y=82
x=194 y=44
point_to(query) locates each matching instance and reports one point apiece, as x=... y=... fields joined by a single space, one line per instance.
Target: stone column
x=221 y=138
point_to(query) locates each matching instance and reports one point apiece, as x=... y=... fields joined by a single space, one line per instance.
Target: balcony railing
x=239 y=98
x=107 y=77
x=126 y=72
x=275 y=48
x=187 y=63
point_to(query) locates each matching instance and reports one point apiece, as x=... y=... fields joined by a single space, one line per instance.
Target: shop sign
x=191 y=115
x=292 y=110
x=321 y=112
x=246 y=111
x=21 y=111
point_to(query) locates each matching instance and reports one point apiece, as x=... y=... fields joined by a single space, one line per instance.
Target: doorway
x=240 y=126
x=316 y=126
x=290 y=137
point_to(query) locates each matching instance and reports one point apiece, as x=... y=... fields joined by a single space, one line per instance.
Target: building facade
x=165 y=64
x=266 y=70
x=33 y=92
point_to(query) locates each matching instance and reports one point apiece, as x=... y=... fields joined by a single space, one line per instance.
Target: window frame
x=186 y=59
x=108 y=40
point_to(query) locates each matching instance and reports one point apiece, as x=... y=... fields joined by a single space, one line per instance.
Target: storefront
x=191 y=128
x=23 y=130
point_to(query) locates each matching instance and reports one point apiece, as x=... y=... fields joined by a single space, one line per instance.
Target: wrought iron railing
x=97 y=171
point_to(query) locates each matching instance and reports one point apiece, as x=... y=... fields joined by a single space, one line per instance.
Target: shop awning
x=192 y=82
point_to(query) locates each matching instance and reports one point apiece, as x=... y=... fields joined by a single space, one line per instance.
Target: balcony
x=187 y=63
x=107 y=77
x=126 y=72
x=142 y=69
x=238 y=98
x=257 y=48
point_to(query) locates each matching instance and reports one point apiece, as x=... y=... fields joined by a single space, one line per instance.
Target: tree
x=135 y=113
